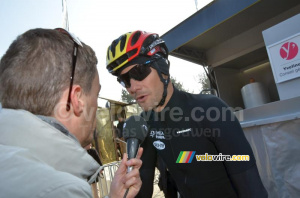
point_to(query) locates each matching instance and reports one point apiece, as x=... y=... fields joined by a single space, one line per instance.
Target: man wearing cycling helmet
x=186 y=130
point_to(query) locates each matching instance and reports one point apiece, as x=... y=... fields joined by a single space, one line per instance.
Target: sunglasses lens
x=139 y=72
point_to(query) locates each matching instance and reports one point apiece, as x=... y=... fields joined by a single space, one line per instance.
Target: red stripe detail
x=188 y=158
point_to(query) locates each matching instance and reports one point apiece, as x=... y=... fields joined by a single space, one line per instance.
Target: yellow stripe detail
x=118 y=52
x=121 y=65
x=183 y=157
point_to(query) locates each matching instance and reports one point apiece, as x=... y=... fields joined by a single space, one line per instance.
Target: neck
x=170 y=91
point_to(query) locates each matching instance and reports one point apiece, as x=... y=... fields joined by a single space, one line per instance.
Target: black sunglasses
x=74 y=59
x=138 y=72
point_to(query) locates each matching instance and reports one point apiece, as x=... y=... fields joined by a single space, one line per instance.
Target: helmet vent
x=123 y=41
x=135 y=38
x=113 y=47
x=132 y=52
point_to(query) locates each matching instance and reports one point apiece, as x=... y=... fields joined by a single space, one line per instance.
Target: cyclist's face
x=147 y=92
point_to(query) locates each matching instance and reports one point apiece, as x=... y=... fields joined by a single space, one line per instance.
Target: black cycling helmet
x=138 y=47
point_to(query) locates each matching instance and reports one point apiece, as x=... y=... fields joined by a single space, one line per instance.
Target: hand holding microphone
x=127 y=176
x=134 y=132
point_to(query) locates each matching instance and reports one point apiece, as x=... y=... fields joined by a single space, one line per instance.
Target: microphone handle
x=132 y=147
x=129 y=169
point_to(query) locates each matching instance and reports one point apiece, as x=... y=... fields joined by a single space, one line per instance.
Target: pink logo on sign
x=289 y=50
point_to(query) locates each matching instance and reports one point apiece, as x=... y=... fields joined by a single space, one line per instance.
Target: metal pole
x=65 y=19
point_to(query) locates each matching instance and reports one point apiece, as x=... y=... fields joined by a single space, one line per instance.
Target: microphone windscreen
x=135 y=127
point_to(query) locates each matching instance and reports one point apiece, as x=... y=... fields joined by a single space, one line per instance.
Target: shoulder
x=67 y=188
x=34 y=178
x=201 y=100
x=209 y=99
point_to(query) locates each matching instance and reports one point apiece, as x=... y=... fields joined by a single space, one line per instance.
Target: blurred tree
x=204 y=81
x=126 y=97
x=178 y=84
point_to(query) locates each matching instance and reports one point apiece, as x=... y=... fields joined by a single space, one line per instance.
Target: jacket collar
x=59 y=126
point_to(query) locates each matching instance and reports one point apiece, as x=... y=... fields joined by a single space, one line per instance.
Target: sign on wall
x=285 y=58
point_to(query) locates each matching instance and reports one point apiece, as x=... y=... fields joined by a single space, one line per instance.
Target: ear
x=77 y=100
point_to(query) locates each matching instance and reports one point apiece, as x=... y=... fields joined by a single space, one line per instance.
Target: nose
x=135 y=86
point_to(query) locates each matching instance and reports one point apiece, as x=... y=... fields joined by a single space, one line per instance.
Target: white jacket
x=37 y=160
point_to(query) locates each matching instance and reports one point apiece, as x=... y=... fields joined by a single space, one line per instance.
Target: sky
x=98 y=22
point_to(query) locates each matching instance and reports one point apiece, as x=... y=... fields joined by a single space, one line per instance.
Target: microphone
x=134 y=132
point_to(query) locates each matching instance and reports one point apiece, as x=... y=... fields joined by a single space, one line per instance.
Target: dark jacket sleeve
x=248 y=184
x=231 y=140
x=148 y=169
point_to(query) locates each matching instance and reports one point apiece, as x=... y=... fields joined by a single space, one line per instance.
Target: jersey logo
x=184 y=131
x=185 y=156
x=159 y=145
x=157 y=134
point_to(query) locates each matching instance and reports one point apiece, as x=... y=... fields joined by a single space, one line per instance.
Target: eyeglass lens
x=138 y=72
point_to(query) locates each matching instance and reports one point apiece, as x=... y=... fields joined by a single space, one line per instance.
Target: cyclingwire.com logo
x=187 y=157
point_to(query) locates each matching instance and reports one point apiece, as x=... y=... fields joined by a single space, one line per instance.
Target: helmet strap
x=165 y=83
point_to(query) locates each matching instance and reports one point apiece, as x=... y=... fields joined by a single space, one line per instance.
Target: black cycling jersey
x=197 y=127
